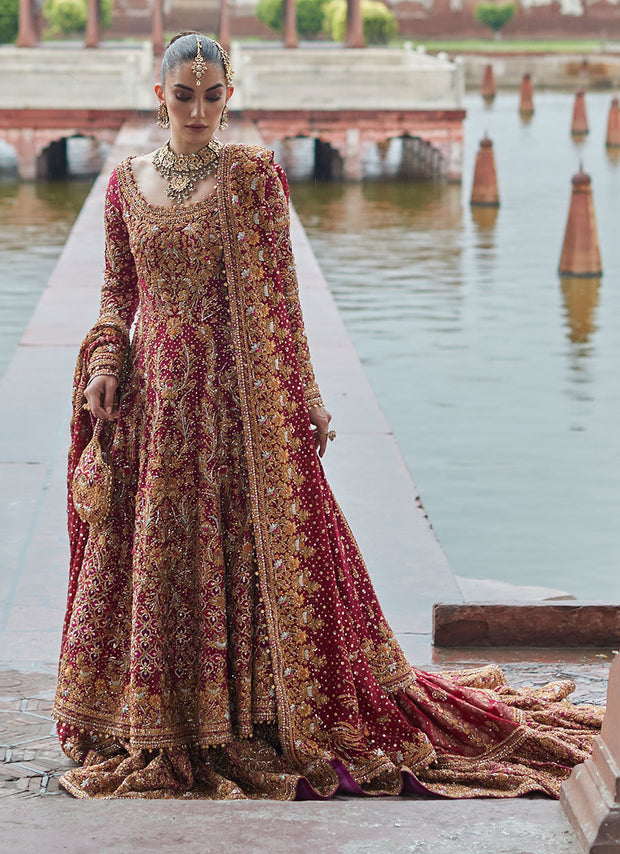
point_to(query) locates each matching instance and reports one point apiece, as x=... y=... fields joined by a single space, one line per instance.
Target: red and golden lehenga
x=222 y=637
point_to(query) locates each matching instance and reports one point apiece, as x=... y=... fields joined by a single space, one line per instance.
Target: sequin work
x=223 y=638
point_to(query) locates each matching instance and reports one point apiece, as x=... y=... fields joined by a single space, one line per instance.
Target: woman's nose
x=198 y=108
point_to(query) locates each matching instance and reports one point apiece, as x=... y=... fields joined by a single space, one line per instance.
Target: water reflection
x=499 y=380
x=380 y=205
x=613 y=155
x=35 y=220
x=485 y=218
x=580 y=300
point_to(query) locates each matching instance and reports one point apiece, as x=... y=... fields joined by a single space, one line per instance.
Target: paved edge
x=542 y=624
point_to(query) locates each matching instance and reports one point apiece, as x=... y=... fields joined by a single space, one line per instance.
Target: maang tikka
x=199 y=66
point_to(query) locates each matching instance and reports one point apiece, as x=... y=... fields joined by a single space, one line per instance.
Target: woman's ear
x=159 y=91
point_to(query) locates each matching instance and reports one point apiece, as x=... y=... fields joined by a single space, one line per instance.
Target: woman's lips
x=196 y=127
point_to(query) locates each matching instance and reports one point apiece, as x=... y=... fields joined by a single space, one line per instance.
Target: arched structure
x=431 y=148
x=30 y=142
x=323 y=158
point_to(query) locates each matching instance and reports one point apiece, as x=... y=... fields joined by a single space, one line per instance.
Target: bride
x=222 y=638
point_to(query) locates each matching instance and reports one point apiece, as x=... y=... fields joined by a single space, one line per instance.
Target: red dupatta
x=335 y=660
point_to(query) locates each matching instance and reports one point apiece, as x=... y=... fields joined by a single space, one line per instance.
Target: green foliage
x=271 y=13
x=334 y=19
x=494 y=15
x=65 y=16
x=9 y=20
x=459 y=46
x=378 y=21
x=308 y=14
x=69 y=16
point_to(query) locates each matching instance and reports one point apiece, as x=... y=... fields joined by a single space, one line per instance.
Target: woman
x=223 y=639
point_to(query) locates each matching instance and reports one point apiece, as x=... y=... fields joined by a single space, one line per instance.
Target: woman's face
x=194 y=110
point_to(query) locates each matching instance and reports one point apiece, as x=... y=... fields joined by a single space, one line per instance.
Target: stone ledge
x=575 y=624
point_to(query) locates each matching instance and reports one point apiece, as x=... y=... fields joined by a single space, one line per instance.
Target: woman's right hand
x=100 y=394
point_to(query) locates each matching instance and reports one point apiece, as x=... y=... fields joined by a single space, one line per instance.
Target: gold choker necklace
x=182 y=171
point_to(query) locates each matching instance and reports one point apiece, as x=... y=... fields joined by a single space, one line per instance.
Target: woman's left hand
x=320 y=418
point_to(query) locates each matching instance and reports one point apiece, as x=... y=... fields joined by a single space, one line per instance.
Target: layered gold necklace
x=182 y=171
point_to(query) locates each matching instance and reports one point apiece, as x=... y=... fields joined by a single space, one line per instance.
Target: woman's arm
x=119 y=301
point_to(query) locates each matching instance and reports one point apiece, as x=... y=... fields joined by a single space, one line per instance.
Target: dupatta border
x=232 y=260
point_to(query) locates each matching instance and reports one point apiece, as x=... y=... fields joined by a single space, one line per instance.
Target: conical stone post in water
x=488 y=88
x=526 y=103
x=613 y=125
x=580 y=253
x=484 y=191
x=580 y=119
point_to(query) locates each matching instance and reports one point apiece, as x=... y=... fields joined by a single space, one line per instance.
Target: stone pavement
x=406 y=562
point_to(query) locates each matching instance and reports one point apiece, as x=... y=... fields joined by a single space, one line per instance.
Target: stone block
x=113 y=77
x=591 y=796
x=526 y=624
x=377 y=78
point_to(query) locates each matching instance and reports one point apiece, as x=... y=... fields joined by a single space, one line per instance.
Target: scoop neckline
x=167 y=209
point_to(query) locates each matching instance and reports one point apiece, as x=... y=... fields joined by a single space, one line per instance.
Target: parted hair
x=182 y=48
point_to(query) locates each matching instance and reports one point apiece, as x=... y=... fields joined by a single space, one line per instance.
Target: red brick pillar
x=484 y=190
x=92 y=24
x=580 y=253
x=355 y=31
x=580 y=118
x=290 y=24
x=157 y=27
x=223 y=35
x=488 y=89
x=27 y=35
x=526 y=103
x=613 y=125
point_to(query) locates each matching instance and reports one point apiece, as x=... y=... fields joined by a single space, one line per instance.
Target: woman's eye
x=214 y=98
x=183 y=98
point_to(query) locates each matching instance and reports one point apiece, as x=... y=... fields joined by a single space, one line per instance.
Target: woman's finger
x=100 y=394
x=108 y=400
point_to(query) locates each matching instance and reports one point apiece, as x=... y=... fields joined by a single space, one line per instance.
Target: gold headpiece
x=199 y=66
x=228 y=72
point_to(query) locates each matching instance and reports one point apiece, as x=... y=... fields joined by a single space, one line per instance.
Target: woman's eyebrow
x=189 y=88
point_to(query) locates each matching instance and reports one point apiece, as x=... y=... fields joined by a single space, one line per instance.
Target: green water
x=501 y=387
x=35 y=220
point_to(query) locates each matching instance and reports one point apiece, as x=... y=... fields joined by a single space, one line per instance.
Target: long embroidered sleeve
x=277 y=193
x=119 y=294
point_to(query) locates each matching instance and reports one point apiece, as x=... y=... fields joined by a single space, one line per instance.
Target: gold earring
x=224 y=118
x=163 y=119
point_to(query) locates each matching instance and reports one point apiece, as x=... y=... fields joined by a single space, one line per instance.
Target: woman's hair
x=183 y=48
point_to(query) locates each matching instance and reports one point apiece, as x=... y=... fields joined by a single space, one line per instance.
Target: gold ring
x=331 y=435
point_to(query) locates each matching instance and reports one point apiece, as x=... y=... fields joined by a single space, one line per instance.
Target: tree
x=495 y=15
x=308 y=14
x=9 y=20
x=378 y=22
